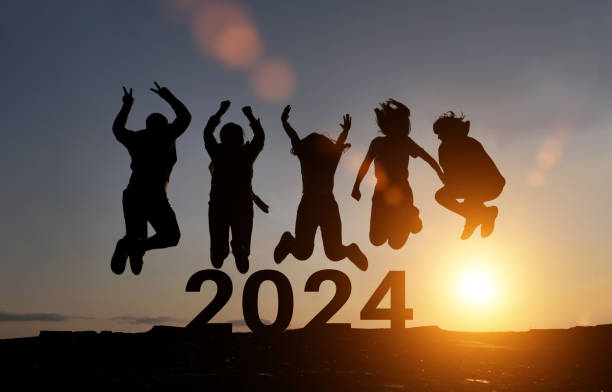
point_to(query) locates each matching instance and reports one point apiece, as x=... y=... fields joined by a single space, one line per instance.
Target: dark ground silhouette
x=415 y=359
x=469 y=174
x=394 y=215
x=231 y=194
x=153 y=153
x=319 y=157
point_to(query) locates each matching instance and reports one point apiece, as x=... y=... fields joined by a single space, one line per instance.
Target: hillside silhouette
x=423 y=359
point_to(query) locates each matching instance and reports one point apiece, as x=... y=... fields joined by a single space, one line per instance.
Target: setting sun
x=476 y=286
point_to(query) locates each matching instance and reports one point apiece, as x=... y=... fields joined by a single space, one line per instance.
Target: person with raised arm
x=394 y=215
x=153 y=154
x=319 y=157
x=231 y=194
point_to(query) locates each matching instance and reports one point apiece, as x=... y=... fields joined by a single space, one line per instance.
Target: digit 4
x=395 y=283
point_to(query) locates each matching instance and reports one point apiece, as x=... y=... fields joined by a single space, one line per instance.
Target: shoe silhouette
x=488 y=225
x=136 y=263
x=120 y=256
x=468 y=229
x=283 y=248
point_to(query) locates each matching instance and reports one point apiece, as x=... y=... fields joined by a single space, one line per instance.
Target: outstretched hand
x=346 y=122
x=285 y=115
x=161 y=91
x=223 y=108
x=127 y=98
x=248 y=112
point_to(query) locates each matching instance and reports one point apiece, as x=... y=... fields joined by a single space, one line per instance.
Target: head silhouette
x=449 y=125
x=318 y=145
x=156 y=121
x=393 y=119
x=232 y=135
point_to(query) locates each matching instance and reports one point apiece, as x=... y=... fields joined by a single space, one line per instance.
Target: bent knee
x=173 y=237
x=377 y=239
x=397 y=243
x=336 y=253
x=303 y=252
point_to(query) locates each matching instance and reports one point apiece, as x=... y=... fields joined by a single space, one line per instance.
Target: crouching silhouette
x=469 y=174
x=153 y=153
x=231 y=195
x=319 y=157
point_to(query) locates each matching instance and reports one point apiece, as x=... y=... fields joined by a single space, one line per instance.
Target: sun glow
x=476 y=286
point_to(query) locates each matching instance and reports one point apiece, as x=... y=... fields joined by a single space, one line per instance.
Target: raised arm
x=420 y=152
x=257 y=143
x=210 y=143
x=183 y=117
x=346 y=126
x=363 y=170
x=121 y=133
x=295 y=139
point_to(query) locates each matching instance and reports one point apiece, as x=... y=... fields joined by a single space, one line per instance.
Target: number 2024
x=394 y=282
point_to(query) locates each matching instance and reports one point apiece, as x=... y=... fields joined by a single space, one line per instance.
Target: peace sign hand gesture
x=127 y=98
x=161 y=91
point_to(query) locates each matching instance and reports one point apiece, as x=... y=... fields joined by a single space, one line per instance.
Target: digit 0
x=250 y=307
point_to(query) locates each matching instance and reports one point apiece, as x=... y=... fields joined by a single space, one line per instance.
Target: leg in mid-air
x=135 y=216
x=379 y=223
x=488 y=213
x=302 y=245
x=403 y=218
x=218 y=227
x=242 y=229
x=167 y=234
x=331 y=233
x=472 y=209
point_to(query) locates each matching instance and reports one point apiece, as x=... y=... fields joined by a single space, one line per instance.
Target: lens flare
x=226 y=32
x=273 y=80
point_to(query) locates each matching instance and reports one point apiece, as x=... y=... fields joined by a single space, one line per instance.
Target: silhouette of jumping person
x=231 y=194
x=394 y=215
x=153 y=153
x=319 y=157
x=469 y=174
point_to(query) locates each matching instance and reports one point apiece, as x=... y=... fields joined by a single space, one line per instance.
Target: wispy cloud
x=133 y=320
x=45 y=317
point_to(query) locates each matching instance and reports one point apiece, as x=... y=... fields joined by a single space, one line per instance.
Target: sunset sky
x=534 y=79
